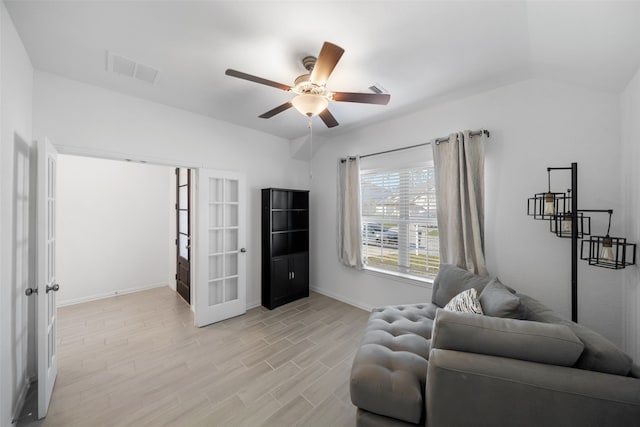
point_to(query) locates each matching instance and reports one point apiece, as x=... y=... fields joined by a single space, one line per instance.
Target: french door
x=220 y=290
x=46 y=274
x=183 y=239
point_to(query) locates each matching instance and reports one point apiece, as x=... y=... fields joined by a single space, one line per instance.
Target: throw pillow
x=451 y=280
x=497 y=301
x=465 y=302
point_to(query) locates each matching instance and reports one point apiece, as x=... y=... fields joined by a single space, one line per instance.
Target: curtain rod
x=436 y=140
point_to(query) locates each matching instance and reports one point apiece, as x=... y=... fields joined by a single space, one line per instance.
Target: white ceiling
x=420 y=51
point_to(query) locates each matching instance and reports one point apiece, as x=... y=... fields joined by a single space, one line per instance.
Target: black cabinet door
x=299 y=265
x=280 y=274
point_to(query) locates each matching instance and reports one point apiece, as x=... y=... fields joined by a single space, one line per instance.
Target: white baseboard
x=22 y=396
x=109 y=294
x=341 y=298
x=254 y=304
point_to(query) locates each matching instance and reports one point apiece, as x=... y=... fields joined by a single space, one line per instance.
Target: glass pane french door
x=221 y=257
x=46 y=274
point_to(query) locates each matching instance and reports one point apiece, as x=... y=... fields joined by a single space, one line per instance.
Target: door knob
x=30 y=291
x=54 y=288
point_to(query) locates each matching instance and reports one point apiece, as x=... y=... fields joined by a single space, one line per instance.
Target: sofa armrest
x=635 y=371
x=475 y=389
x=516 y=339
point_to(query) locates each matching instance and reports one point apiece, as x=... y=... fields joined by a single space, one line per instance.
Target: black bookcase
x=285 y=246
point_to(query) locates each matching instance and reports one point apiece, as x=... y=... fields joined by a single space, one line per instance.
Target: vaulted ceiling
x=419 y=51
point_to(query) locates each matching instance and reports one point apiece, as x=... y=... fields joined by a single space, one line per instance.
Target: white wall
x=113 y=222
x=630 y=123
x=534 y=124
x=79 y=118
x=16 y=85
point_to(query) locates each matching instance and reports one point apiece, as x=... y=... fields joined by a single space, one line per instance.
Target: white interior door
x=220 y=289
x=46 y=275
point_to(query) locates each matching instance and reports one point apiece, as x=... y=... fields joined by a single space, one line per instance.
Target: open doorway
x=106 y=237
x=116 y=228
x=112 y=221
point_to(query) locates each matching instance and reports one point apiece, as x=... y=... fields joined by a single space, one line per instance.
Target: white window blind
x=400 y=227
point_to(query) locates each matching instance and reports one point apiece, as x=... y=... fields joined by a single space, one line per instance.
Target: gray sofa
x=520 y=364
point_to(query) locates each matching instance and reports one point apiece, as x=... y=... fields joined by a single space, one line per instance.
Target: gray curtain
x=459 y=173
x=349 y=224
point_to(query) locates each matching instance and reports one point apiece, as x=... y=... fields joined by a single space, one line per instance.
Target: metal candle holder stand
x=567 y=221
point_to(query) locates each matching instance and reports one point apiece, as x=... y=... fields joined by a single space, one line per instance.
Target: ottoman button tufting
x=390 y=368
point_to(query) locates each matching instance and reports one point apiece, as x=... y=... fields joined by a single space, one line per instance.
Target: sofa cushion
x=452 y=280
x=552 y=344
x=403 y=319
x=498 y=301
x=599 y=353
x=390 y=368
x=465 y=302
x=537 y=311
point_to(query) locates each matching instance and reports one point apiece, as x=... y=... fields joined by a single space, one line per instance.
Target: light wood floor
x=137 y=360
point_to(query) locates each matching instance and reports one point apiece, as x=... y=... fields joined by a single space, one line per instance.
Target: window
x=399 y=222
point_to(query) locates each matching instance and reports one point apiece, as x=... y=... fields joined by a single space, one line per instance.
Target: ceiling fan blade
x=245 y=76
x=328 y=118
x=327 y=59
x=277 y=110
x=363 y=98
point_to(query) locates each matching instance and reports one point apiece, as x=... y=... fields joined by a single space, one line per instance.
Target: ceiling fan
x=312 y=97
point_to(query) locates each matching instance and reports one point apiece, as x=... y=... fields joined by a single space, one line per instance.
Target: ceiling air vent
x=146 y=74
x=123 y=66
x=127 y=67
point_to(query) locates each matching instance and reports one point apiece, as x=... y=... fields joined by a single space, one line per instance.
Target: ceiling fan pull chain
x=310 y=148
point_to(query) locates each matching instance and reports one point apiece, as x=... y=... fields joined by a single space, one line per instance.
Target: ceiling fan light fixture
x=310 y=105
x=311 y=96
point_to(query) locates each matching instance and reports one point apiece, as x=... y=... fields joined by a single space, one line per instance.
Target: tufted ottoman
x=390 y=369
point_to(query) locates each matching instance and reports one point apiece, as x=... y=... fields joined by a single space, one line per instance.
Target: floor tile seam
x=292 y=314
x=276 y=399
x=314 y=382
x=339 y=399
x=279 y=337
x=305 y=398
x=272 y=387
